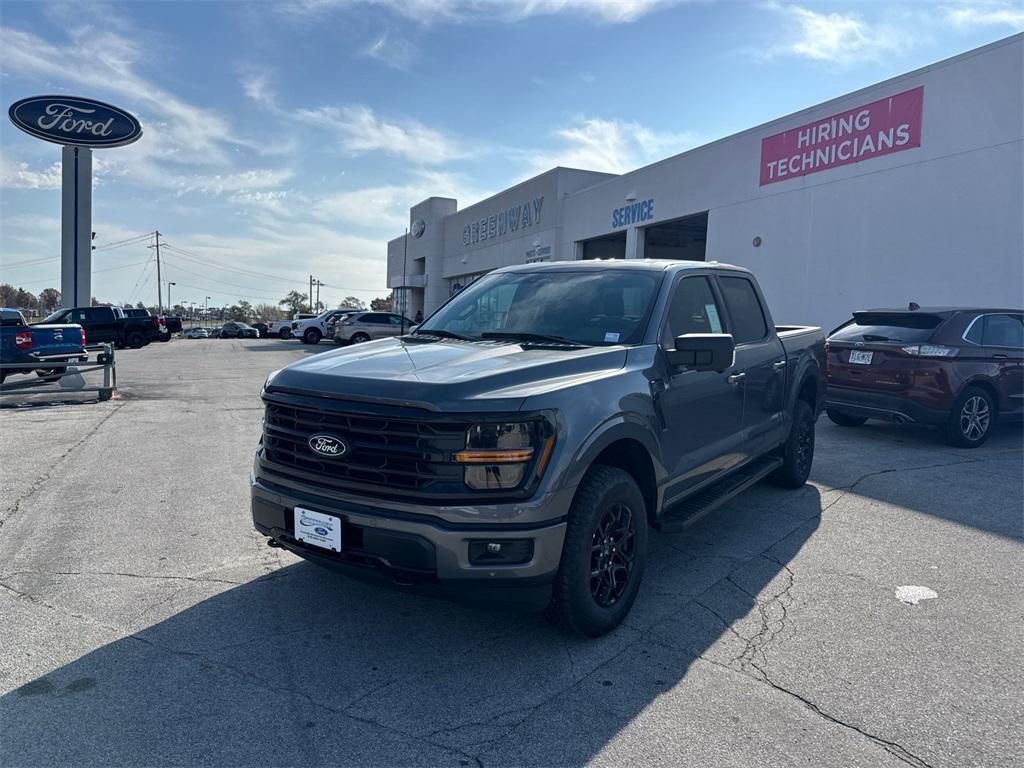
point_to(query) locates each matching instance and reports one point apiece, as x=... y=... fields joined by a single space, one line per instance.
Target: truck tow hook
x=273 y=544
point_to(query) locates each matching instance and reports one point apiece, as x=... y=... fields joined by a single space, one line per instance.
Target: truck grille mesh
x=385 y=456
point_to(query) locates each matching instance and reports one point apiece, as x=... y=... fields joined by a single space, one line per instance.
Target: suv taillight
x=23 y=340
x=826 y=359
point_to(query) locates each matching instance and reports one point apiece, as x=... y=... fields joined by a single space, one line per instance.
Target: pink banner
x=879 y=128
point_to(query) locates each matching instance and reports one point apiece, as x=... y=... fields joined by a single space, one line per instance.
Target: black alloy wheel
x=613 y=547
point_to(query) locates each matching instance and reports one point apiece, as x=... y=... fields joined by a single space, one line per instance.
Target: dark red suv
x=960 y=369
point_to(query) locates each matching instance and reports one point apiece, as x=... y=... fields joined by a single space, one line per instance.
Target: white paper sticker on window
x=611 y=337
x=712 y=312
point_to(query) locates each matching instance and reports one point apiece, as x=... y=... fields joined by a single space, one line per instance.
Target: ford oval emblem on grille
x=328 y=446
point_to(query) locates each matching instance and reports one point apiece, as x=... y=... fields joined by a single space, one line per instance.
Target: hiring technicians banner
x=879 y=128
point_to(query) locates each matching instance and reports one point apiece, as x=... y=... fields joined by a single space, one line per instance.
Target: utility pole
x=318 y=284
x=310 y=293
x=159 y=286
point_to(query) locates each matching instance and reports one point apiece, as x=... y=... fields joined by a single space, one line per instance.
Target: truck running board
x=689 y=511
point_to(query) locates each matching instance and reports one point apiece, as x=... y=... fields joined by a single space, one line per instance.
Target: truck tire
x=285 y=333
x=798 y=451
x=606 y=535
x=844 y=419
x=136 y=339
x=312 y=336
x=971 y=418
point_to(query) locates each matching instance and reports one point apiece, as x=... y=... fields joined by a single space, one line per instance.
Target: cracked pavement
x=145 y=623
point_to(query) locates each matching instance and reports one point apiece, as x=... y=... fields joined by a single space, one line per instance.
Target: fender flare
x=621 y=426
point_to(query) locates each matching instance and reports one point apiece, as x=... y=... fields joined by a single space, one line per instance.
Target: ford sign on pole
x=80 y=125
x=75 y=121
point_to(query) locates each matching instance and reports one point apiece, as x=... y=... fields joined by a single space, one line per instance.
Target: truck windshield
x=588 y=307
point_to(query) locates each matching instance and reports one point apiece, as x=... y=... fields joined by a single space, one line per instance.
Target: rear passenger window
x=1004 y=331
x=973 y=334
x=693 y=309
x=745 y=313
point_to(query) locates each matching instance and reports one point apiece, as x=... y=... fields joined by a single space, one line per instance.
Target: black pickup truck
x=110 y=325
x=519 y=444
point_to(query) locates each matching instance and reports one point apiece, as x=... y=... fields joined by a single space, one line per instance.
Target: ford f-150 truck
x=518 y=444
x=25 y=348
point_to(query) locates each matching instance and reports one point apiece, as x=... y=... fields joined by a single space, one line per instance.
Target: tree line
x=48 y=299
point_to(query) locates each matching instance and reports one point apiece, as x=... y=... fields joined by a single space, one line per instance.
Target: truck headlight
x=497 y=456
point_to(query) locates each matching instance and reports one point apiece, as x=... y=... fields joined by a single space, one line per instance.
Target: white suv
x=313 y=329
x=358 y=327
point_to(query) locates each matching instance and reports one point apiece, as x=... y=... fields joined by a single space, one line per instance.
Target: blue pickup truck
x=25 y=348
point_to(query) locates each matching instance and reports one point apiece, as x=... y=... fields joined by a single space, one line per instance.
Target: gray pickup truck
x=516 y=447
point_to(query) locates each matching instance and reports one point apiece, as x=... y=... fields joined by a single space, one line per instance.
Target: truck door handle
x=778 y=365
x=736 y=378
x=998 y=356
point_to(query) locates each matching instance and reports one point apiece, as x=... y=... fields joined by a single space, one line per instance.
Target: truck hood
x=444 y=375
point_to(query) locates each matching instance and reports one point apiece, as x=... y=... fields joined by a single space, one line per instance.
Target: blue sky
x=291 y=137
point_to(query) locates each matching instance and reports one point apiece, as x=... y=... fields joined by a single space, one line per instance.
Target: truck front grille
x=386 y=455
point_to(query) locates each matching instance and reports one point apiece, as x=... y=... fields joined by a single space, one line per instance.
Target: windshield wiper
x=443 y=333
x=539 y=338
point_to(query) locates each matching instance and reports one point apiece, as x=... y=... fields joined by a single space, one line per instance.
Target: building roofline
x=806 y=111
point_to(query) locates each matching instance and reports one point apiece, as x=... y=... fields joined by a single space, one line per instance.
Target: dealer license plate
x=863 y=358
x=318 y=529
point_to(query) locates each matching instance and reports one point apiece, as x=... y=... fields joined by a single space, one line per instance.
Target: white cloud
x=836 y=38
x=611 y=146
x=456 y=11
x=15 y=175
x=258 y=87
x=391 y=49
x=390 y=204
x=360 y=130
x=985 y=14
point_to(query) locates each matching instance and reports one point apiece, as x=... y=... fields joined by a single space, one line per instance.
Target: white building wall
x=938 y=224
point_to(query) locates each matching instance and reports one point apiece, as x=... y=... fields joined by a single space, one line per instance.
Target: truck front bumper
x=418 y=553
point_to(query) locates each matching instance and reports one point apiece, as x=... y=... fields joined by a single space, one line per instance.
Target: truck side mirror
x=703 y=351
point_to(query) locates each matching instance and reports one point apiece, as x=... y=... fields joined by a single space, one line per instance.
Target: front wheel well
x=632 y=457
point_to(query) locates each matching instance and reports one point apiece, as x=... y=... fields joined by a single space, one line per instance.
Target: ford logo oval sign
x=75 y=121
x=327 y=446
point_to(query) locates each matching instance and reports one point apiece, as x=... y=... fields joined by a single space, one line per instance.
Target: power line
x=251 y=291
x=121 y=243
x=95 y=271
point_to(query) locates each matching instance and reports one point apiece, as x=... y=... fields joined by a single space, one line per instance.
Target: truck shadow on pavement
x=305 y=667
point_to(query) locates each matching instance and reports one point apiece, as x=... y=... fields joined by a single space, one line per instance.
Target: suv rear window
x=880 y=326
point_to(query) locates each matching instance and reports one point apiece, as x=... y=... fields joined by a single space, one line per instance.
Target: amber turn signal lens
x=494 y=457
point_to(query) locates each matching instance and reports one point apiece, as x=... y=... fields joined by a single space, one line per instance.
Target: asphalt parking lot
x=146 y=623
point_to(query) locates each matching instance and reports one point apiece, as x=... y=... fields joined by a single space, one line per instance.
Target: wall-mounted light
x=757 y=241
x=630 y=197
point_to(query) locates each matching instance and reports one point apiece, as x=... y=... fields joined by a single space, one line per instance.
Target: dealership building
x=909 y=190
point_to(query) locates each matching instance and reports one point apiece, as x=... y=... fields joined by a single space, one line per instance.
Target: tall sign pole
x=76 y=227
x=79 y=125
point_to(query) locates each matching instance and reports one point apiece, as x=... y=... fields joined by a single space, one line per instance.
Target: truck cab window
x=693 y=309
x=746 y=317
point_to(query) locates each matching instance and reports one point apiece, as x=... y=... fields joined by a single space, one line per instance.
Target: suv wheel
x=603 y=555
x=312 y=336
x=971 y=419
x=136 y=339
x=798 y=450
x=844 y=419
x=359 y=338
